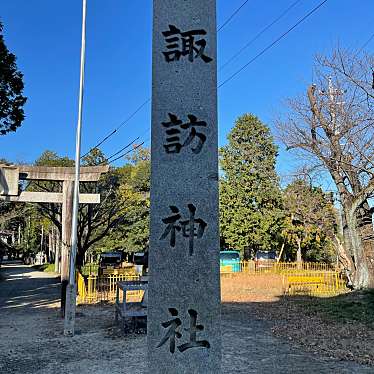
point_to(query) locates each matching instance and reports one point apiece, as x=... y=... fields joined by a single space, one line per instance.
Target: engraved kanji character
x=174 y=144
x=184 y=44
x=193 y=330
x=172 y=332
x=171 y=227
x=190 y=230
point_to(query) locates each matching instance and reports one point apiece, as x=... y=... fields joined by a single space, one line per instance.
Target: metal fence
x=314 y=279
x=93 y=269
x=281 y=267
x=314 y=283
x=307 y=278
x=93 y=288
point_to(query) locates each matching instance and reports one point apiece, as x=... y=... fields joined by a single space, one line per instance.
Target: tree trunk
x=343 y=257
x=366 y=234
x=281 y=251
x=57 y=248
x=363 y=277
x=50 y=247
x=299 y=258
x=79 y=260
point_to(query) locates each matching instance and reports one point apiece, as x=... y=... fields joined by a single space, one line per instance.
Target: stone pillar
x=184 y=333
x=67 y=210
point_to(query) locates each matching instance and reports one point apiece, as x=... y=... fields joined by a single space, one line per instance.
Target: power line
x=237 y=54
x=149 y=99
x=99 y=144
x=259 y=34
x=233 y=75
x=272 y=44
x=122 y=149
x=126 y=153
x=117 y=128
x=232 y=16
x=365 y=44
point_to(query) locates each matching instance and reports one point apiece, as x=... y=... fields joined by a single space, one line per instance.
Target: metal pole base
x=70 y=307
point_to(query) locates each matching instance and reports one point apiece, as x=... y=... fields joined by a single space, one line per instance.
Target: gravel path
x=31 y=339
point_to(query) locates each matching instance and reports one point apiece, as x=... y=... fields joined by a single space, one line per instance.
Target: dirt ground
x=340 y=327
x=31 y=339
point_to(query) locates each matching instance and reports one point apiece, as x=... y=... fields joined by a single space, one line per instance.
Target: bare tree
x=334 y=125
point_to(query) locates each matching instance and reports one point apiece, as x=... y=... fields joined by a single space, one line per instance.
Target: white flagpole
x=71 y=291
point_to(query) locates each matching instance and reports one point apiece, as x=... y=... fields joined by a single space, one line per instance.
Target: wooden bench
x=132 y=310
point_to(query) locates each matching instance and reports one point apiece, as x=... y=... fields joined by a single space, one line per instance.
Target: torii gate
x=10 y=177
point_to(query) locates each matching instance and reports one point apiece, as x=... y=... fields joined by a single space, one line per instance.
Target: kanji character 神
x=191 y=228
x=171 y=225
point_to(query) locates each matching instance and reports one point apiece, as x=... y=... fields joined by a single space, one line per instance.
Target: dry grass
x=341 y=327
x=244 y=288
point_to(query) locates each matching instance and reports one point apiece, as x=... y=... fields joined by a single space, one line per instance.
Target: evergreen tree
x=11 y=87
x=250 y=198
x=132 y=233
x=310 y=223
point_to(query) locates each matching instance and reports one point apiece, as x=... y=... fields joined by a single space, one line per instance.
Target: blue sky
x=45 y=36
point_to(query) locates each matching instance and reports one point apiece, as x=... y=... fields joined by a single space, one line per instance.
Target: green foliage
x=50 y=158
x=250 y=198
x=89 y=269
x=94 y=158
x=47 y=268
x=132 y=232
x=11 y=88
x=310 y=221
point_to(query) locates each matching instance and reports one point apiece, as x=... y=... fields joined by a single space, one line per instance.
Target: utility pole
x=71 y=291
x=332 y=94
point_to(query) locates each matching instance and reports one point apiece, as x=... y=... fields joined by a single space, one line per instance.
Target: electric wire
x=229 y=78
x=149 y=99
x=124 y=154
x=232 y=16
x=272 y=44
x=259 y=34
x=127 y=120
x=122 y=149
x=365 y=44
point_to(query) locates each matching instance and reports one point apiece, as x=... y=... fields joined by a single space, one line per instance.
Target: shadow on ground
x=340 y=327
x=23 y=287
x=253 y=340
